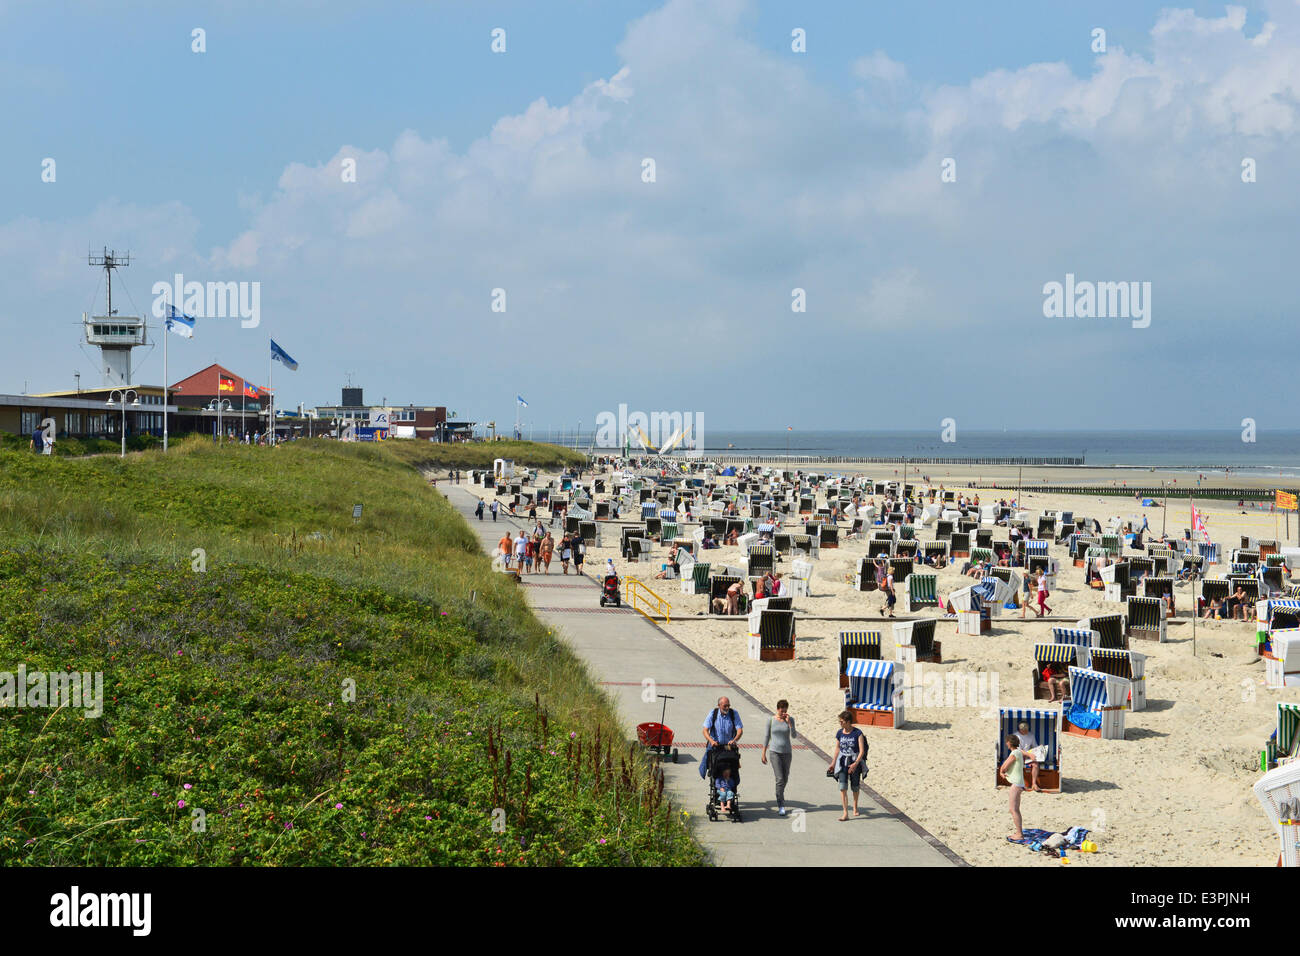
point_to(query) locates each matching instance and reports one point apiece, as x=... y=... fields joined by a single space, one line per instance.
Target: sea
x=1270 y=454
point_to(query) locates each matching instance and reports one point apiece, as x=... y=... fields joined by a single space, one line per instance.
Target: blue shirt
x=849 y=748
x=724 y=726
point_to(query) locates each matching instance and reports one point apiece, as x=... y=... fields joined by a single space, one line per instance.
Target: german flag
x=227 y=384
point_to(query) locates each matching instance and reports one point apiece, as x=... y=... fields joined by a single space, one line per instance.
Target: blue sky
x=775 y=170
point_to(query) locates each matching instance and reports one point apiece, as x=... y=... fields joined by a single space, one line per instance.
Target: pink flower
x=180 y=804
x=189 y=786
x=338 y=806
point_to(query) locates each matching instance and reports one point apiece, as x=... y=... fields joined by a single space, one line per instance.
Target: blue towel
x=1083 y=719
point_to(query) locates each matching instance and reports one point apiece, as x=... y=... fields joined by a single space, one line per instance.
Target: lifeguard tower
x=114 y=335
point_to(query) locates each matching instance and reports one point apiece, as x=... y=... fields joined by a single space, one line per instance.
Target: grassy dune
x=326 y=687
x=425 y=454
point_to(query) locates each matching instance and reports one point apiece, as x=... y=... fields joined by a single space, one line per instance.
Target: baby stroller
x=609 y=592
x=721 y=759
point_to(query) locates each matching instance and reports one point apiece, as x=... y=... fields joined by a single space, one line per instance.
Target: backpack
x=713 y=717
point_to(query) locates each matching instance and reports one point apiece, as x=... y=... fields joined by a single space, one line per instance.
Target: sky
x=775 y=170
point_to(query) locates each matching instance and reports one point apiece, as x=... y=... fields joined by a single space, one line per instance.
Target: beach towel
x=1036 y=839
x=1083 y=719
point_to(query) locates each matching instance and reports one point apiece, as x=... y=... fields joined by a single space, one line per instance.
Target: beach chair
x=959 y=542
x=590 y=532
x=1278 y=792
x=932 y=548
x=1046 y=526
x=639 y=548
x=1044 y=654
x=806 y=505
x=805 y=546
x=1157 y=587
x=1096 y=699
x=1283 y=746
x=830 y=536
x=1212 y=588
x=914 y=641
x=921 y=590
x=881 y=547
x=782 y=542
x=1270 y=581
x=653 y=527
x=771 y=635
x=1112 y=545
x=1145 y=619
x=983 y=538
x=860 y=644
x=906 y=548
x=1282 y=659
x=865 y=578
x=988 y=514
x=668 y=531
x=602 y=510
x=1209 y=552
x=906 y=532
x=1130 y=665
x=800 y=579
x=1045 y=725
x=875 y=693
x=1117 y=582
x=1109 y=628
x=761 y=560
x=973 y=615
x=900 y=568
x=1079 y=637
x=943 y=529
x=697 y=581
x=745 y=542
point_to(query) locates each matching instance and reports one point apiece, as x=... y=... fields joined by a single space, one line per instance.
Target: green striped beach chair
x=1283 y=745
x=922 y=591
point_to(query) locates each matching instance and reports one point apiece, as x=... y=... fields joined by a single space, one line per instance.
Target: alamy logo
x=1098 y=300
x=134 y=910
x=657 y=432
x=215 y=300
x=76 y=689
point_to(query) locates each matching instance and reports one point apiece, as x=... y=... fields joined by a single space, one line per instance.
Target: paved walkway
x=622 y=649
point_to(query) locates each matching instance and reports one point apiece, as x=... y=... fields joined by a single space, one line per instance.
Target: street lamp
x=122 y=397
x=218 y=406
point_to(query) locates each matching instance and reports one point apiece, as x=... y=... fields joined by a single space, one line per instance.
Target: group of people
x=532 y=552
x=723 y=728
x=769 y=585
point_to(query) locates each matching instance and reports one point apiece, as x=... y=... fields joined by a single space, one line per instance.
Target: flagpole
x=1195 y=607
x=270 y=373
x=166 y=330
x=243 y=392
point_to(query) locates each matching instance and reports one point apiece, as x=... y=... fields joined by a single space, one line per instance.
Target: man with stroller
x=722 y=728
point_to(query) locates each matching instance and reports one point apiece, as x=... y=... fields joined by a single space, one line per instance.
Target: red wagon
x=658 y=737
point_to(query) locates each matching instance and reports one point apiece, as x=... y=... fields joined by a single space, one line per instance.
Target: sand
x=1175 y=791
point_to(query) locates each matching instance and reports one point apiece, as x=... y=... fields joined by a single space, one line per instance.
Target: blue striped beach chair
x=860 y=644
x=1063 y=655
x=1080 y=637
x=1096 y=698
x=1045 y=725
x=875 y=692
x=1283 y=745
x=1145 y=619
x=1209 y=552
x=914 y=641
x=1130 y=665
x=1036 y=548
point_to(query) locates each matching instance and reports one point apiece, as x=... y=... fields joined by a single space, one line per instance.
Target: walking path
x=623 y=650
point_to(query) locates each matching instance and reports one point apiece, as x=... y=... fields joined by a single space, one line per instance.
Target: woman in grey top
x=777 y=744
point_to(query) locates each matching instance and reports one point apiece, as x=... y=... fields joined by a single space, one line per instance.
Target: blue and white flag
x=280 y=355
x=180 y=323
x=521 y=401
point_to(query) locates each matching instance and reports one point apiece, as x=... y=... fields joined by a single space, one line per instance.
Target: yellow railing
x=638 y=595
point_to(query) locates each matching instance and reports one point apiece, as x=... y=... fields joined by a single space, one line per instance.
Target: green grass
x=231 y=601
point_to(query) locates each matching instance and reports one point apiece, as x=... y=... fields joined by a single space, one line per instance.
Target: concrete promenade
x=622 y=649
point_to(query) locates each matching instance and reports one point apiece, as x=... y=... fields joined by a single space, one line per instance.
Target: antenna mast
x=108 y=260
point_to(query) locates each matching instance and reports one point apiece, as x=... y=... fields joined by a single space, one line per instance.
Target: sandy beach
x=1175 y=791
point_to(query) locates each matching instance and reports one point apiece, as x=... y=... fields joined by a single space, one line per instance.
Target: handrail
x=638 y=593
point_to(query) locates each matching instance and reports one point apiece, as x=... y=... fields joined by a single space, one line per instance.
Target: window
x=72 y=423
x=31 y=422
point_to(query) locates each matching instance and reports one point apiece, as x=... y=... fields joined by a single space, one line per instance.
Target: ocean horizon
x=1272 y=453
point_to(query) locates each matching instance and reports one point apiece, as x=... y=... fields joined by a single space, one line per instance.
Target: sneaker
x=781 y=811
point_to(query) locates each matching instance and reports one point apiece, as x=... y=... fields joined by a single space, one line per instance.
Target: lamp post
x=218 y=406
x=121 y=395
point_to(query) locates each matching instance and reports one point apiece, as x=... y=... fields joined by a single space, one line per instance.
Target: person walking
x=566 y=552
x=548 y=549
x=1043 y=593
x=579 y=553
x=850 y=762
x=722 y=728
x=493 y=508
x=38 y=441
x=777 y=743
x=478 y=510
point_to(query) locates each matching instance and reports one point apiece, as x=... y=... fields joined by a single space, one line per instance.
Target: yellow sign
x=1285 y=500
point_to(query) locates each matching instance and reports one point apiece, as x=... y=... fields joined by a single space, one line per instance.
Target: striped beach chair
x=1283 y=745
x=771 y=635
x=1130 y=665
x=931 y=548
x=1045 y=725
x=860 y=644
x=1278 y=793
x=984 y=538
x=1096 y=698
x=943 y=529
x=1062 y=655
x=1033 y=547
x=829 y=537
x=1145 y=619
x=761 y=559
x=914 y=641
x=1111 y=543
x=800 y=579
x=900 y=568
x=981 y=555
x=1209 y=553
x=907 y=548
x=880 y=548
x=1157 y=587
x=1109 y=628
x=1079 y=637
x=921 y=591
x=875 y=693
x=697 y=582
